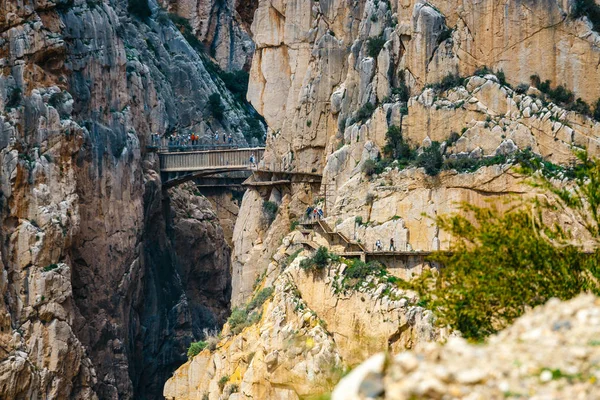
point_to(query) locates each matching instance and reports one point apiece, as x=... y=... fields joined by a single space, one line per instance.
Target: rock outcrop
x=100 y=295
x=223 y=26
x=313 y=328
x=550 y=352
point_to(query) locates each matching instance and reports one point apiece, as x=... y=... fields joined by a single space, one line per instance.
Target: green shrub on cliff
x=242 y=317
x=375 y=45
x=597 y=111
x=431 y=159
x=195 y=348
x=319 y=260
x=587 y=8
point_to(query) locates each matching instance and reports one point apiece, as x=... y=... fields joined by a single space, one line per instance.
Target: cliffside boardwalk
x=177 y=167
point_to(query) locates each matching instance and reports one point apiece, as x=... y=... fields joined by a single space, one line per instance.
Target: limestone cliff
x=100 y=293
x=314 y=327
x=331 y=77
x=223 y=26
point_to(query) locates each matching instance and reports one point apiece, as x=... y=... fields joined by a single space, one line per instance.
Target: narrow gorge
x=124 y=280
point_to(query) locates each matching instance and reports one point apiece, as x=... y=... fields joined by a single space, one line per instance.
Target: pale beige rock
x=309 y=332
x=536 y=357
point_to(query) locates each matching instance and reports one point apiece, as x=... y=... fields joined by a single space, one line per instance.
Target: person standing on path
x=392 y=248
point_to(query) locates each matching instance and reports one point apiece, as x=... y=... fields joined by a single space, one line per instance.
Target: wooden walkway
x=195 y=161
x=177 y=167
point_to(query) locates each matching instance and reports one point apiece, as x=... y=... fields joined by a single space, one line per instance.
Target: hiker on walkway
x=216 y=137
x=320 y=212
x=230 y=139
x=315 y=213
x=252 y=160
x=392 y=248
x=224 y=137
x=378 y=245
x=309 y=211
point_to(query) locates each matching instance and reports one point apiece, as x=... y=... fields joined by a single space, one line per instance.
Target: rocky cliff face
x=331 y=77
x=105 y=278
x=313 y=328
x=223 y=26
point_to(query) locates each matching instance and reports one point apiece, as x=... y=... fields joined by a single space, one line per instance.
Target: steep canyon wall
x=331 y=77
x=106 y=278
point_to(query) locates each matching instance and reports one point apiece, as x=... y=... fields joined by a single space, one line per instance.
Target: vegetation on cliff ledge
x=241 y=317
x=504 y=263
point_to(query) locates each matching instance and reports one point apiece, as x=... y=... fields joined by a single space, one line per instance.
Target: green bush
x=431 y=159
x=236 y=82
x=50 y=267
x=581 y=107
x=395 y=146
x=215 y=106
x=504 y=263
x=260 y=298
x=562 y=96
x=453 y=138
x=445 y=34
x=522 y=88
x=596 y=115
x=270 y=210
x=375 y=45
x=501 y=78
x=448 y=82
x=319 y=260
x=402 y=91
x=255 y=128
x=223 y=381
x=365 y=112
x=482 y=71
x=139 y=8
x=500 y=266
x=242 y=317
x=195 y=348
x=360 y=270
x=528 y=163
x=237 y=318
x=369 y=167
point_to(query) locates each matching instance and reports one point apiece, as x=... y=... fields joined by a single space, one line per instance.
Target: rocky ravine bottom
x=552 y=352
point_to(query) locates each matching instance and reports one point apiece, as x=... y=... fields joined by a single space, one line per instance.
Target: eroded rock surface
x=550 y=352
x=309 y=332
x=98 y=290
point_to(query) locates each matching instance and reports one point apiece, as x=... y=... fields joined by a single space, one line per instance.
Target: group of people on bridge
x=190 y=140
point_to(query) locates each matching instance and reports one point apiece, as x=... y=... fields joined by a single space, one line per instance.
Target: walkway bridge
x=177 y=167
x=229 y=166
